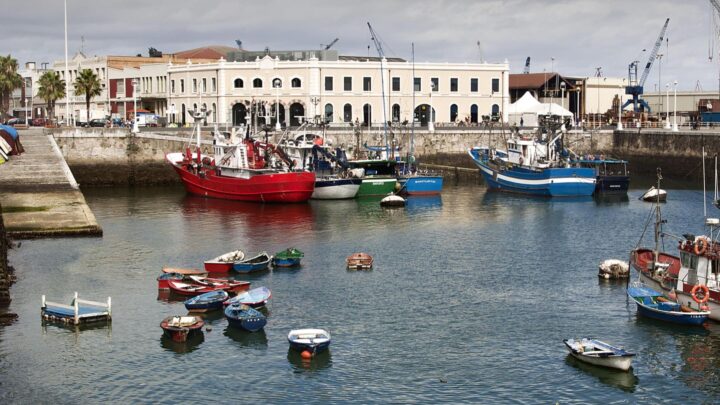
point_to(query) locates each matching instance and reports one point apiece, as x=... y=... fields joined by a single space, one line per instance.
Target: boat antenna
x=376 y=41
x=412 y=123
x=703 y=181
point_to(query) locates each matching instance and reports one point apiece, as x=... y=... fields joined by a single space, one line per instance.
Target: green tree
x=52 y=88
x=87 y=84
x=9 y=81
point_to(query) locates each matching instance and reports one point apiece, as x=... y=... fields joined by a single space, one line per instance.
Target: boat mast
x=658 y=220
x=373 y=36
x=412 y=124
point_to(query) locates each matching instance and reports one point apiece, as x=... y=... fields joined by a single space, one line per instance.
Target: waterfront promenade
x=40 y=197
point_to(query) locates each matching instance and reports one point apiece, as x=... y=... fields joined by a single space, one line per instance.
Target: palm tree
x=9 y=81
x=87 y=84
x=52 y=88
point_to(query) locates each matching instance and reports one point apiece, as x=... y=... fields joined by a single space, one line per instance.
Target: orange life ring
x=706 y=293
x=701 y=245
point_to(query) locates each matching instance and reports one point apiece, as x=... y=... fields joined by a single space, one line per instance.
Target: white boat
x=654 y=194
x=313 y=341
x=393 y=201
x=613 y=268
x=599 y=353
x=336 y=188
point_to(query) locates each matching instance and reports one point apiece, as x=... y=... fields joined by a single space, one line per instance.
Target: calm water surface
x=469 y=301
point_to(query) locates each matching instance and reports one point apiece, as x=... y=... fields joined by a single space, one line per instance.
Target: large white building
x=335 y=89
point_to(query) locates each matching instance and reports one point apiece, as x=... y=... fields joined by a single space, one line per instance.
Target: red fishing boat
x=241 y=169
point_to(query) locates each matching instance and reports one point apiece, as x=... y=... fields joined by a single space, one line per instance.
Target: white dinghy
x=599 y=353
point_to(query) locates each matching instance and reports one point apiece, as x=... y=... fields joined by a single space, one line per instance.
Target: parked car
x=97 y=122
x=14 y=121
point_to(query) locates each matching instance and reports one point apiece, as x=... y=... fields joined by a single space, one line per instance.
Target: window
x=121 y=88
x=454 y=84
x=395 y=84
x=453 y=112
x=495 y=112
x=296 y=83
x=214 y=87
x=347 y=83
x=328 y=83
x=238 y=83
x=474 y=113
x=495 y=85
x=257 y=83
x=214 y=110
x=328 y=113
x=417 y=84
x=204 y=85
x=367 y=84
x=367 y=114
x=182 y=85
x=434 y=84
x=474 y=85
x=194 y=82
x=276 y=82
x=396 y=113
x=347 y=113
x=172 y=86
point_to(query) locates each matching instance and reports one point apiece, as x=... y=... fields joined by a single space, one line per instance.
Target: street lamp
x=562 y=94
x=67 y=75
x=135 y=128
x=667 y=111
x=315 y=101
x=675 y=125
x=276 y=84
x=431 y=125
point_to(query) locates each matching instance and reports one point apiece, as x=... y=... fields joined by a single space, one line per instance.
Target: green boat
x=288 y=257
x=380 y=177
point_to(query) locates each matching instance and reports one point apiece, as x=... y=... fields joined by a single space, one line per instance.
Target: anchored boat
x=653 y=304
x=261 y=261
x=313 y=341
x=245 y=317
x=181 y=328
x=599 y=353
x=288 y=258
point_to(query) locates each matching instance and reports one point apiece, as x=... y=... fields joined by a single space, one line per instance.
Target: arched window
x=328 y=113
x=276 y=82
x=204 y=107
x=172 y=108
x=396 y=113
x=214 y=112
x=238 y=83
x=296 y=83
x=347 y=113
x=257 y=83
x=453 y=112
x=474 y=113
x=495 y=111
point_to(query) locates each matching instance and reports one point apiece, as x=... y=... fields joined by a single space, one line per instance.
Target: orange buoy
x=306 y=354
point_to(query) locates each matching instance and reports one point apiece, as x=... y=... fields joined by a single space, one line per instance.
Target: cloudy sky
x=580 y=35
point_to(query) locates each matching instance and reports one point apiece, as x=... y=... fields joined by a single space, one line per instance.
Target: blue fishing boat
x=208 y=301
x=653 y=304
x=245 y=317
x=418 y=183
x=261 y=261
x=313 y=341
x=288 y=258
x=256 y=298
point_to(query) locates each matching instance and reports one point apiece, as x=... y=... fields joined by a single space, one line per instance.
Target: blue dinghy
x=245 y=317
x=256 y=298
x=258 y=262
x=208 y=301
x=652 y=304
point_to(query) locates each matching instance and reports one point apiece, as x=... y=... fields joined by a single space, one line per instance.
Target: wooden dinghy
x=245 y=317
x=359 y=261
x=261 y=261
x=255 y=298
x=180 y=328
x=224 y=263
x=185 y=272
x=207 y=302
x=599 y=353
x=309 y=342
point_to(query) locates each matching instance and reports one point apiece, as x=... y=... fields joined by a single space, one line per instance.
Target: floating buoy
x=393 y=201
x=305 y=354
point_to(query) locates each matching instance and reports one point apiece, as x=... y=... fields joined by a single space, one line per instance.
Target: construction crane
x=328 y=46
x=527 y=66
x=381 y=54
x=635 y=86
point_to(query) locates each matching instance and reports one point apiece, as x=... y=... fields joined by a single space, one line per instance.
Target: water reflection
x=422 y=204
x=624 y=380
x=188 y=346
x=76 y=328
x=612 y=199
x=247 y=339
x=210 y=317
x=318 y=362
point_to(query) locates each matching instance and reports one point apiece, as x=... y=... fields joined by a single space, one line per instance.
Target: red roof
x=206 y=52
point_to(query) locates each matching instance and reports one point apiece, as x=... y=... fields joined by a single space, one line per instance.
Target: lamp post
x=135 y=128
x=667 y=111
x=276 y=84
x=619 y=125
x=315 y=101
x=562 y=94
x=675 y=125
x=67 y=77
x=431 y=125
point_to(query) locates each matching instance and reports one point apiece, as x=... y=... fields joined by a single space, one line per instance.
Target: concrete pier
x=39 y=194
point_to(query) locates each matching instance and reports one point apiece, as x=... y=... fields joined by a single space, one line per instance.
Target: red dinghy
x=359 y=261
x=180 y=328
x=224 y=263
x=185 y=272
x=231 y=286
x=193 y=289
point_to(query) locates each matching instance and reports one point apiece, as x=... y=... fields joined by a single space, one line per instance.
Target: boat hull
x=612 y=184
x=421 y=185
x=247 y=319
x=258 y=187
x=550 y=182
x=181 y=333
x=290 y=262
x=218 y=267
x=618 y=363
x=336 y=189
x=250 y=267
x=377 y=186
x=684 y=318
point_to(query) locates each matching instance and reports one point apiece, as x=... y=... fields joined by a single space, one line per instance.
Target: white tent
x=527 y=109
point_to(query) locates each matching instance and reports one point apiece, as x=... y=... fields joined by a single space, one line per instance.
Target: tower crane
x=635 y=86
x=328 y=46
x=381 y=54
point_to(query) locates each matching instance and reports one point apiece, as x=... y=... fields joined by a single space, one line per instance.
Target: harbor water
x=470 y=298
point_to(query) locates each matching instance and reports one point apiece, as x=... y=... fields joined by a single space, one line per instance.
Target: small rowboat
x=654 y=195
x=599 y=353
x=359 y=261
x=224 y=263
x=180 y=328
x=192 y=289
x=288 y=258
x=231 y=286
x=256 y=298
x=165 y=277
x=245 y=317
x=256 y=263
x=313 y=341
x=185 y=272
x=652 y=304
x=207 y=301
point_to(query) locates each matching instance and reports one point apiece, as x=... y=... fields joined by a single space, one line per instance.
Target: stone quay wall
x=5 y=276
x=114 y=156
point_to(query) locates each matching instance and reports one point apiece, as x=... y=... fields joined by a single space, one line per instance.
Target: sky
x=570 y=37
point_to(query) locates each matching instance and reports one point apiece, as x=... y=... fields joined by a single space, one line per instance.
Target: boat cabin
x=700 y=265
x=527 y=152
